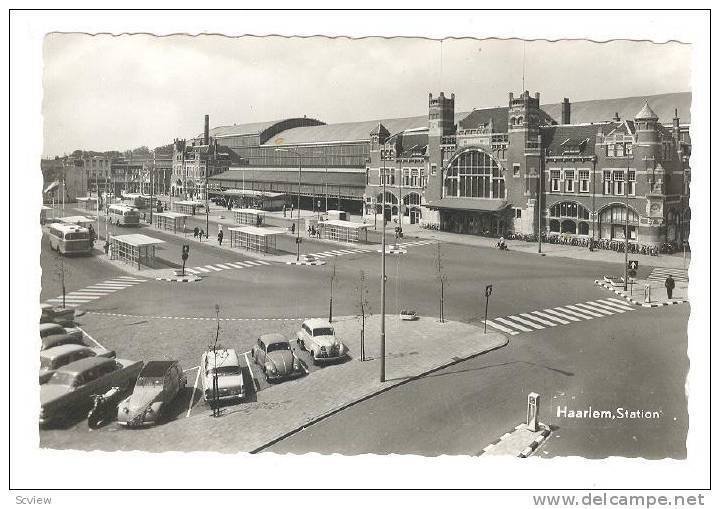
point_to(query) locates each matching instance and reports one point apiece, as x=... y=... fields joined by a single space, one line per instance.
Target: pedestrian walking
x=284 y=210
x=202 y=232
x=196 y=230
x=220 y=237
x=292 y=228
x=669 y=286
x=107 y=247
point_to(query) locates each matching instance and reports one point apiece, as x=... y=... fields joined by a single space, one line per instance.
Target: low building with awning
x=478 y=216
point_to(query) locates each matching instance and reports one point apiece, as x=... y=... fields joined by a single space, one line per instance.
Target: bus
x=69 y=239
x=83 y=221
x=123 y=215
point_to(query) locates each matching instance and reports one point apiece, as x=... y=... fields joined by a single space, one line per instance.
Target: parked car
x=317 y=336
x=62 y=355
x=61 y=316
x=60 y=339
x=158 y=384
x=225 y=363
x=52 y=329
x=276 y=359
x=71 y=388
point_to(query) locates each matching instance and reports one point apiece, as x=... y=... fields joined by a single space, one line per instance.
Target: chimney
x=676 y=126
x=206 y=135
x=616 y=118
x=565 y=111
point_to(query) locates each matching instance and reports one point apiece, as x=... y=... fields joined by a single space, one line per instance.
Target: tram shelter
x=253 y=217
x=343 y=231
x=188 y=207
x=134 y=248
x=253 y=238
x=170 y=221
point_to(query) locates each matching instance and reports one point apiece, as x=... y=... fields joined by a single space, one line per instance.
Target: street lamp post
x=627 y=220
x=382 y=284
x=297 y=230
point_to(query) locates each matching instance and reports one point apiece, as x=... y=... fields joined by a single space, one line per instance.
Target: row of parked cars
x=76 y=377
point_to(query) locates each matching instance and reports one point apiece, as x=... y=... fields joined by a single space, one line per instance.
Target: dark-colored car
x=158 y=384
x=56 y=357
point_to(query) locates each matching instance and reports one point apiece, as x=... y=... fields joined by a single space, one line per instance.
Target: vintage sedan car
x=157 y=385
x=72 y=387
x=54 y=329
x=276 y=359
x=59 y=356
x=317 y=336
x=223 y=364
x=61 y=316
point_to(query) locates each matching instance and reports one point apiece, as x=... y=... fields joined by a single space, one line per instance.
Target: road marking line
x=252 y=375
x=544 y=315
x=618 y=301
x=68 y=301
x=574 y=313
x=553 y=312
x=263 y=262
x=223 y=266
x=596 y=309
x=128 y=278
x=192 y=396
x=513 y=325
x=191 y=271
x=202 y=269
x=89 y=295
x=526 y=322
x=545 y=322
x=101 y=287
x=91 y=338
x=86 y=298
x=252 y=263
x=123 y=284
x=615 y=305
x=213 y=268
x=581 y=310
x=501 y=328
x=234 y=265
x=602 y=305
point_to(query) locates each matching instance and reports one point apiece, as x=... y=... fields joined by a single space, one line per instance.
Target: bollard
x=647 y=292
x=532 y=411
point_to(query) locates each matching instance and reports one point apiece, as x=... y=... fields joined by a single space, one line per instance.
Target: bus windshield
x=76 y=236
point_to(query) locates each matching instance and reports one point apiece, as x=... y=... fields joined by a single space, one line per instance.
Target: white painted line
x=574 y=313
x=501 y=328
x=263 y=262
x=602 y=305
x=252 y=375
x=81 y=297
x=587 y=311
x=553 y=312
x=124 y=284
x=526 y=322
x=226 y=267
x=202 y=269
x=251 y=263
x=192 y=396
x=236 y=265
x=513 y=325
x=544 y=322
x=191 y=271
x=213 y=268
x=103 y=288
x=544 y=315
x=321 y=255
x=621 y=302
x=625 y=306
x=82 y=293
x=69 y=299
x=596 y=309
x=90 y=337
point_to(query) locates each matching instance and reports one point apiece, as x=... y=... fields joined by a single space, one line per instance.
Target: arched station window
x=474 y=174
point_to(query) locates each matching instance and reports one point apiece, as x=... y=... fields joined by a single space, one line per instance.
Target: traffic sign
x=633 y=264
x=488 y=290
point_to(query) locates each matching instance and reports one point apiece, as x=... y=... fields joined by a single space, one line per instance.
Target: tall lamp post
x=297 y=230
x=627 y=220
x=382 y=284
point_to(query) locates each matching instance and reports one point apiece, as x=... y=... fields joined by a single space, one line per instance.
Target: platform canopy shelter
x=253 y=217
x=187 y=207
x=134 y=248
x=88 y=202
x=170 y=221
x=266 y=200
x=343 y=231
x=254 y=238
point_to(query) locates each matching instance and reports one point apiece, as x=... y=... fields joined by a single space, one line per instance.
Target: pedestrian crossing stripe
x=227 y=266
x=96 y=291
x=560 y=315
x=661 y=273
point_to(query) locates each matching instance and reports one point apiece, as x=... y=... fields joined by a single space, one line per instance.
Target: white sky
x=119 y=92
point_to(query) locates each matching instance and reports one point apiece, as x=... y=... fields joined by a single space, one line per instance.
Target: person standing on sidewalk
x=669 y=286
x=220 y=237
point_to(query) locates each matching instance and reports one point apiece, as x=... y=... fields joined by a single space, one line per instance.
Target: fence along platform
x=252 y=238
x=134 y=248
x=170 y=221
x=343 y=231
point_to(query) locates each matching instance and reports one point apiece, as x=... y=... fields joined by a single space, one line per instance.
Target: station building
x=563 y=169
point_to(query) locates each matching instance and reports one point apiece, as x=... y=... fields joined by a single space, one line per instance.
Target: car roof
x=81 y=365
x=225 y=357
x=273 y=337
x=51 y=340
x=56 y=351
x=154 y=369
x=49 y=326
x=314 y=323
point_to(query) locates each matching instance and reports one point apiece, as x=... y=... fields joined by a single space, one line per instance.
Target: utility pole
x=61 y=274
x=539 y=208
x=442 y=278
x=627 y=217
x=216 y=390
x=297 y=230
x=152 y=189
x=382 y=284
x=332 y=281
x=362 y=294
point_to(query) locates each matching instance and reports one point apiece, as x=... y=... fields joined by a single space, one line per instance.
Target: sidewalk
x=413 y=349
x=658 y=295
x=560 y=250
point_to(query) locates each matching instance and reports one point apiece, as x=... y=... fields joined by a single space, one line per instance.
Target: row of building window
x=613 y=181
x=411 y=177
x=619 y=150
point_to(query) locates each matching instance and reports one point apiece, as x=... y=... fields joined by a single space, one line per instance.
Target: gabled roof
x=571 y=140
x=380 y=130
x=478 y=118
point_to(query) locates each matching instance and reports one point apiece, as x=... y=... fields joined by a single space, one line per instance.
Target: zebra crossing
x=661 y=273
x=417 y=243
x=561 y=315
x=217 y=267
x=342 y=252
x=96 y=291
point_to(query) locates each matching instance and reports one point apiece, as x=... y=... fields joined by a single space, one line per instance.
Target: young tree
x=442 y=279
x=60 y=273
x=333 y=275
x=363 y=308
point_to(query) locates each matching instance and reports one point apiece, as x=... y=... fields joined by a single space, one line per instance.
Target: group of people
x=313 y=232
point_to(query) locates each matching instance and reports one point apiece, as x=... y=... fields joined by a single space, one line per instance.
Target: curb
x=186 y=279
x=313 y=263
x=535 y=443
x=393 y=251
x=619 y=293
x=315 y=420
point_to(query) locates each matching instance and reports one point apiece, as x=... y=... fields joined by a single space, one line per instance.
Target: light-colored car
x=276 y=359
x=225 y=363
x=317 y=336
x=54 y=329
x=157 y=385
x=71 y=388
x=62 y=355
